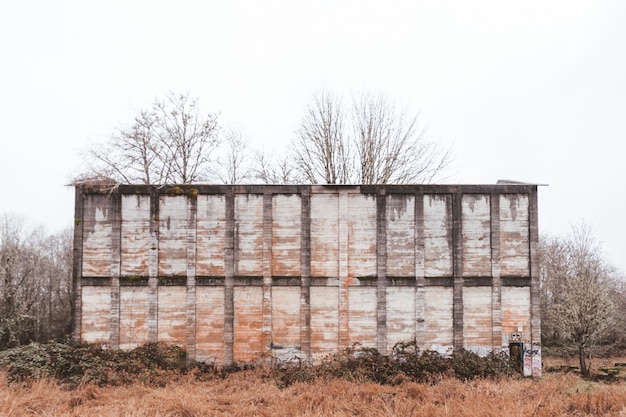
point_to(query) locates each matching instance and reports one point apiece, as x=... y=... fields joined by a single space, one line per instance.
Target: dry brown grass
x=251 y=394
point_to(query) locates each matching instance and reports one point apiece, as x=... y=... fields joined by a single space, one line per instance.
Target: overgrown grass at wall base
x=157 y=364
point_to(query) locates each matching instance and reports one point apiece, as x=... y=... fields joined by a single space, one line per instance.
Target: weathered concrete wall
x=242 y=273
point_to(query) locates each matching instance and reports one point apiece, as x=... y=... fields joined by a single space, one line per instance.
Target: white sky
x=532 y=91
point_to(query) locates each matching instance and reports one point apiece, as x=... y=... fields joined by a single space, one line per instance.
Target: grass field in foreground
x=249 y=393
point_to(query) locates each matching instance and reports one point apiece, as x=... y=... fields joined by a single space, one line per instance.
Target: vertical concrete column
x=266 y=327
x=116 y=265
x=496 y=283
x=190 y=326
x=535 y=297
x=229 y=277
x=77 y=265
x=420 y=280
x=153 y=267
x=457 y=271
x=381 y=271
x=305 y=274
x=344 y=326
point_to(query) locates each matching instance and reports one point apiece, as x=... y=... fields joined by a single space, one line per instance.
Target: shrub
x=74 y=364
x=290 y=374
x=421 y=366
x=468 y=365
x=158 y=363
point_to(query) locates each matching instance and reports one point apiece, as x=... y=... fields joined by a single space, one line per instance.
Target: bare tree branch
x=275 y=171
x=234 y=167
x=374 y=142
x=33 y=268
x=169 y=143
x=321 y=150
x=576 y=286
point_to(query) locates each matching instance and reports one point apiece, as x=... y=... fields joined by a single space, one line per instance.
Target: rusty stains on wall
x=211 y=235
x=325 y=235
x=476 y=227
x=438 y=318
x=324 y=320
x=135 y=236
x=401 y=235
x=438 y=242
x=209 y=329
x=514 y=232
x=97 y=306
x=286 y=235
x=361 y=235
x=248 y=273
x=97 y=229
x=133 y=326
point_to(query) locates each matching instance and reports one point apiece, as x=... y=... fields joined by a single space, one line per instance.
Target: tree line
x=35 y=283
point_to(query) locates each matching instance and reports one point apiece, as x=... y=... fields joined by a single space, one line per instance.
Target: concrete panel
x=248 y=323
x=400 y=235
x=514 y=235
x=476 y=231
x=133 y=316
x=135 y=243
x=173 y=228
x=286 y=235
x=437 y=235
x=97 y=229
x=438 y=334
x=400 y=315
x=362 y=316
x=171 y=314
x=211 y=235
x=249 y=235
x=210 y=324
x=96 y=311
x=515 y=313
x=361 y=235
x=477 y=319
x=324 y=235
x=324 y=320
x=286 y=344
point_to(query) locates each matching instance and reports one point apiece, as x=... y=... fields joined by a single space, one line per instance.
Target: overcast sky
x=531 y=91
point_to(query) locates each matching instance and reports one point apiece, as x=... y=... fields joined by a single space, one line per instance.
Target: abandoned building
x=252 y=272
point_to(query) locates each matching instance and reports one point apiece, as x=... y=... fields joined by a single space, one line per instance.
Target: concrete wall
x=242 y=273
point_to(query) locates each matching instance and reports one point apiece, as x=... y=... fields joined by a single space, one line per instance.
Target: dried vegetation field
x=251 y=393
x=61 y=380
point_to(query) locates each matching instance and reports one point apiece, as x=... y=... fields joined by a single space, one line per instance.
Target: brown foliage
x=249 y=393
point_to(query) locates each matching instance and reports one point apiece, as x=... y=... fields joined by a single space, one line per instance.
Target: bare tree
x=169 y=143
x=373 y=142
x=35 y=283
x=321 y=149
x=275 y=171
x=553 y=264
x=576 y=289
x=390 y=145
x=56 y=304
x=234 y=165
